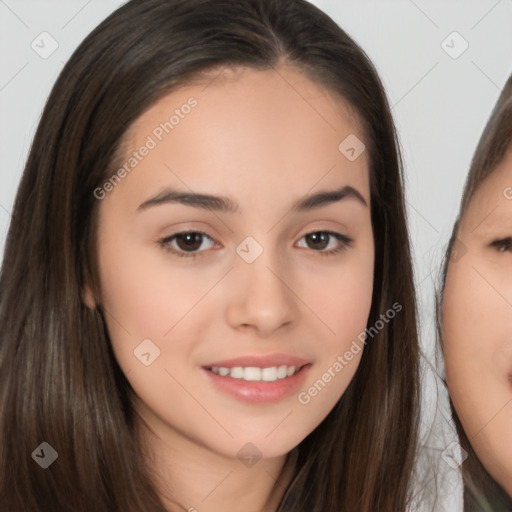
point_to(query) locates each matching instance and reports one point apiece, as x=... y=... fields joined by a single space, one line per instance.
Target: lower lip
x=259 y=392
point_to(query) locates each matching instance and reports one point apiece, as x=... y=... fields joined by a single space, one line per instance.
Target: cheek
x=341 y=297
x=477 y=336
x=469 y=332
x=344 y=302
x=143 y=297
x=350 y=293
x=477 y=324
x=463 y=312
x=466 y=342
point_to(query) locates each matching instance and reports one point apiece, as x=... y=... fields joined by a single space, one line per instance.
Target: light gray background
x=440 y=105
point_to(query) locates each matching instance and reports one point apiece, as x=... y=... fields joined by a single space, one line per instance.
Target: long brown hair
x=59 y=380
x=481 y=492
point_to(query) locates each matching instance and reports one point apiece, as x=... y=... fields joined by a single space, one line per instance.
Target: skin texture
x=265 y=139
x=477 y=318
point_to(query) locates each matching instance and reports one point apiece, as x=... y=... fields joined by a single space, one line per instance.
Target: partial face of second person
x=258 y=281
x=477 y=318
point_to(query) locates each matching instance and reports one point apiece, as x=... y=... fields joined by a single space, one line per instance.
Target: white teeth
x=223 y=372
x=281 y=371
x=255 y=374
x=269 y=374
x=237 y=372
x=251 y=373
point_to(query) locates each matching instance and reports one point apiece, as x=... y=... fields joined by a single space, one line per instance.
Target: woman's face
x=220 y=331
x=477 y=319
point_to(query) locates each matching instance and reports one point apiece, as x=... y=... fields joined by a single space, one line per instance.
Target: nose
x=262 y=298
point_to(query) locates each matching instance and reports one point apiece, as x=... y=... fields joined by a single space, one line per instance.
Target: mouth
x=256 y=374
x=259 y=379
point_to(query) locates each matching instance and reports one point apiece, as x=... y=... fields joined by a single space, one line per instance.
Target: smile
x=255 y=374
x=258 y=379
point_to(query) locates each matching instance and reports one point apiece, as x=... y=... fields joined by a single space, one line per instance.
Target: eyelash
x=165 y=243
x=503 y=245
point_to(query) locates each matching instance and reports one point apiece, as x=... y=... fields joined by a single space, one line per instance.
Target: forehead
x=285 y=83
x=492 y=201
x=251 y=128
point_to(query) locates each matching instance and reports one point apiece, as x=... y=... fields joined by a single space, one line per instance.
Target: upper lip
x=260 y=361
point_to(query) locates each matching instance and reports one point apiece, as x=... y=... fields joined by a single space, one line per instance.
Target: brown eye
x=321 y=240
x=189 y=241
x=503 y=245
x=186 y=243
x=318 y=240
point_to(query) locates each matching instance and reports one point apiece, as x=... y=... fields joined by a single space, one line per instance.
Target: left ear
x=88 y=297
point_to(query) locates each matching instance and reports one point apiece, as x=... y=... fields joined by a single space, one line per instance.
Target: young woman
x=200 y=306
x=477 y=320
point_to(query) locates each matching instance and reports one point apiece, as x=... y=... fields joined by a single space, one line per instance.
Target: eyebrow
x=227 y=205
